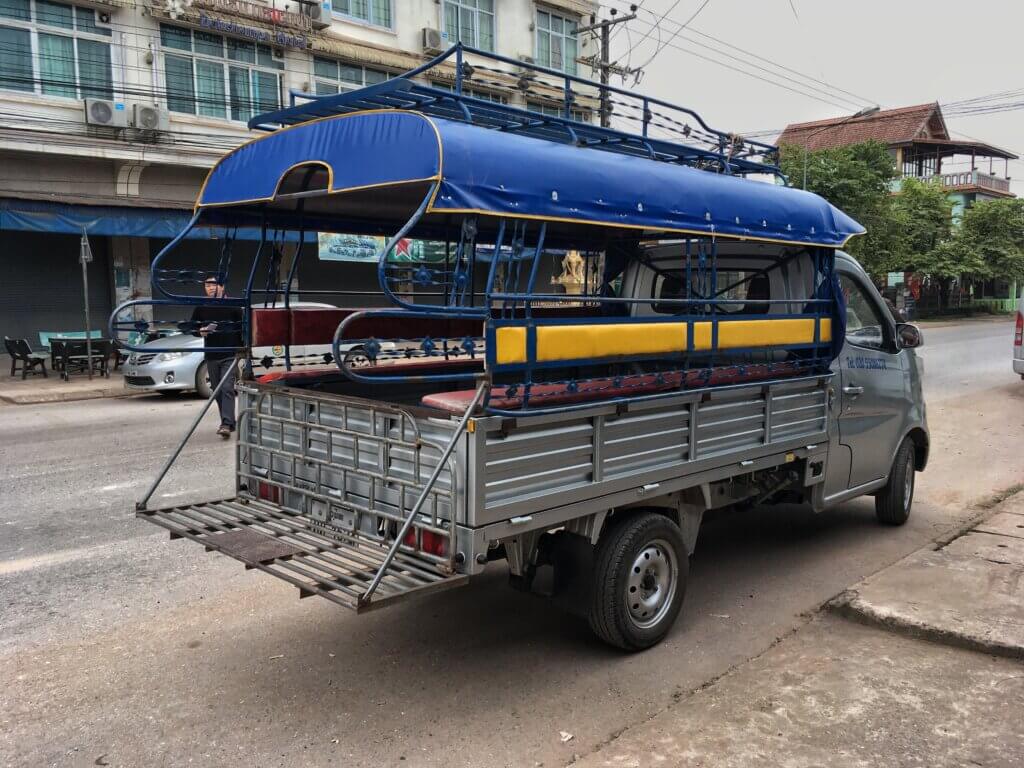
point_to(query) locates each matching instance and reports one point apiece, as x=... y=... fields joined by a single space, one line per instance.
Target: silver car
x=162 y=368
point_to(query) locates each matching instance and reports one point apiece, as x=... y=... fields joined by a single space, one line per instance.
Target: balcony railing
x=976 y=178
x=961 y=180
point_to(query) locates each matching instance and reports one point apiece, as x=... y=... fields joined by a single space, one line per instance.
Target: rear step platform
x=276 y=541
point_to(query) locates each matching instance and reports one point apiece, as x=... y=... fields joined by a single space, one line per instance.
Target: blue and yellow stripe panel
x=516 y=344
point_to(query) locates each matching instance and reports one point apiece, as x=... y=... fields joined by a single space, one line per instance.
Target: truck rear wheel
x=640 y=570
x=893 y=502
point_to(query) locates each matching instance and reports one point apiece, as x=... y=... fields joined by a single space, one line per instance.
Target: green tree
x=993 y=231
x=856 y=179
x=925 y=215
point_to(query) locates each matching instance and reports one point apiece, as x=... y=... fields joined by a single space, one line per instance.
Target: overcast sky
x=893 y=53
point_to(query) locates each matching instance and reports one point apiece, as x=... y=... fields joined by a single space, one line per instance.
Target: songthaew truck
x=717 y=349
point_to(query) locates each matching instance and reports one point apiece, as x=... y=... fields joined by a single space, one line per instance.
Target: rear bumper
x=1018 y=365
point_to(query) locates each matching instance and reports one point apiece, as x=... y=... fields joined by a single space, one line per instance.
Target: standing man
x=220 y=362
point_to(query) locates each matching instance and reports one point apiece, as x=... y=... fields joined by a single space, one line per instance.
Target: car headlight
x=165 y=356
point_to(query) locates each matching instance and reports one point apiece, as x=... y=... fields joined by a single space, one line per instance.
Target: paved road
x=968 y=357
x=116 y=644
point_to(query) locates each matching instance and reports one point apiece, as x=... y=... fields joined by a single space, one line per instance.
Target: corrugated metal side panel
x=730 y=423
x=646 y=440
x=529 y=467
x=536 y=459
x=800 y=412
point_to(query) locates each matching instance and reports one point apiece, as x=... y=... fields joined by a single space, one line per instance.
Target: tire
x=203 y=388
x=356 y=358
x=893 y=502
x=636 y=554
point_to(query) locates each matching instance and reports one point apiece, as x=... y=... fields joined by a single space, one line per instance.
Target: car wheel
x=640 y=570
x=356 y=358
x=893 y=502
x=203 y=388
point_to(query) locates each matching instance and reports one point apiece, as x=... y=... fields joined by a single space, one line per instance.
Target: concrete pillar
x=129 y=261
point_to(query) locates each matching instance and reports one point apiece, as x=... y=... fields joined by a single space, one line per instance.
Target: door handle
x=851 y=390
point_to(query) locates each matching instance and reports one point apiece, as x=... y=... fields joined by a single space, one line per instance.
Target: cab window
x=747 y=289
x=864 y=324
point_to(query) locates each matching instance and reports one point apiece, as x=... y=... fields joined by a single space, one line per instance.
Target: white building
x=111 y=112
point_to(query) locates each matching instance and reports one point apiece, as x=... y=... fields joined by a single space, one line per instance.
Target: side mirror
x=908 y=336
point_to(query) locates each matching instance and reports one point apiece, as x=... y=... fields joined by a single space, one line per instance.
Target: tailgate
x=279 y=542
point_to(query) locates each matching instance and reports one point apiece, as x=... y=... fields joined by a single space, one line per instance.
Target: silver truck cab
x=880 y=435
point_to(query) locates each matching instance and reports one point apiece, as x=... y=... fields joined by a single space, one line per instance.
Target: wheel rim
x=908 y=484
x=651 y=585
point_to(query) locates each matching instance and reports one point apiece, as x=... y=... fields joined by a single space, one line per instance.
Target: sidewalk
x=53 y=389
x=921 y=664
x=946 y=322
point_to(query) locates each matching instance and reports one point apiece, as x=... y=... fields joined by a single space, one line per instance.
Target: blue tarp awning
x=499 y=173
x=100 y=220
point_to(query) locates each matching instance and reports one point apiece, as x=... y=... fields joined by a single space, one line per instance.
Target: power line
x=826 y=97
x=684 y=25
x=856 y=99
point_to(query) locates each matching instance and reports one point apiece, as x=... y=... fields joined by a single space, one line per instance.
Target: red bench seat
x=596 y=390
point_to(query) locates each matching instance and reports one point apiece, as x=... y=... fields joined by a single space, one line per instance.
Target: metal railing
x=355 y=468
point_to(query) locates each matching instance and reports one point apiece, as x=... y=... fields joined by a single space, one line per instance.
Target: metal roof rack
x=704 y=147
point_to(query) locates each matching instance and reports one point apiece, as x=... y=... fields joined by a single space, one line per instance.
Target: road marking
x=8 y=567
x=119 y=486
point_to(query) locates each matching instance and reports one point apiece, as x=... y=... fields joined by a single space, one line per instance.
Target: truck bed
x=345 y=472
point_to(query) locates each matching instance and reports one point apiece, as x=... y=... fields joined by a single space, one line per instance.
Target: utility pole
x=601 y=61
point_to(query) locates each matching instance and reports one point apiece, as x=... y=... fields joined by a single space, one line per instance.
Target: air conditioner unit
x=434 y=40
x=149 y=117
x=318 y=12
x=111 y=114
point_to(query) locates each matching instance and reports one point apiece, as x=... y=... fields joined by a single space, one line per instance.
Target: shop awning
x=112 y=221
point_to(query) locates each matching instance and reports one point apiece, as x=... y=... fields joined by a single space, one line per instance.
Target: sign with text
x=367 y=248
x=257 y=12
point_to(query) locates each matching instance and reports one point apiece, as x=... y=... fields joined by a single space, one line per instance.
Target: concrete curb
x=909 y=611
x=64 y=397
x=850 y=606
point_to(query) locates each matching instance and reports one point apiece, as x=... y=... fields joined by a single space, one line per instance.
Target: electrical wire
x=675 y=34
x=796 y=88
x=807 y=89
x=858 y=99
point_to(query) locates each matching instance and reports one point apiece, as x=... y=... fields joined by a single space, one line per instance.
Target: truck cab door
x=870 y=390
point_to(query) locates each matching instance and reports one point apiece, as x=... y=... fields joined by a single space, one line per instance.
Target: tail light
x=1019 y=337
x=268 y=492
x=433 y=543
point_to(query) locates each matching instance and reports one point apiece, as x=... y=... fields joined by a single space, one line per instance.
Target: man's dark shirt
x=219 y=338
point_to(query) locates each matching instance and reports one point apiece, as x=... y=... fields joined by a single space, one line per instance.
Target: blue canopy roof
x=498 y=173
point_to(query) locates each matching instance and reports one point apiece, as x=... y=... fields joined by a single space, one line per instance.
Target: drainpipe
x=152 y=71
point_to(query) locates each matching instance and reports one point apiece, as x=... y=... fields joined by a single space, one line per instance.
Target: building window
x=470 y=22
x=332 y=76
x=376 y=12
x=579 y=115
x=496 y=98
x=556 y=42
x=213 y=76
x=54 y=49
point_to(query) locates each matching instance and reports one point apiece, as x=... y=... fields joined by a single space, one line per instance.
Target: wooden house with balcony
x=921 y=147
